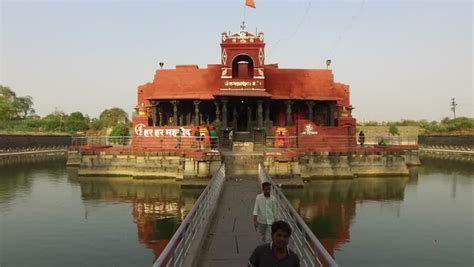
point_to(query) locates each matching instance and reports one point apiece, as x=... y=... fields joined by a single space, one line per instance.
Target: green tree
x=119 y=131
x=76 y=122
x=111 y=117
x=393 y=129
x=23 y=106
x=13 y=107
x=54 y=121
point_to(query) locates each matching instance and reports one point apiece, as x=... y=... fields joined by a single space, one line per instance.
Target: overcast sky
x=403 y=59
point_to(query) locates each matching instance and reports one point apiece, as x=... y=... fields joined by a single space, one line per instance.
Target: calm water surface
x=422 y=220
x=50 y=217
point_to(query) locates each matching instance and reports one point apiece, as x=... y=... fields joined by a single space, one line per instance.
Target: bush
x=119 y=130
x=393 y=129
x=76 y=122
x=461 y=123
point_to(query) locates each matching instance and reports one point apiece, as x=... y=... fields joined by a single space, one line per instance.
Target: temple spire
x=242 y=27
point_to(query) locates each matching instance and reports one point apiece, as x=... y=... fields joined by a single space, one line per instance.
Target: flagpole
x=245 y=8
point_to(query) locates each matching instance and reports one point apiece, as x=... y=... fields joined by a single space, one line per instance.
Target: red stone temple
x=245 y=95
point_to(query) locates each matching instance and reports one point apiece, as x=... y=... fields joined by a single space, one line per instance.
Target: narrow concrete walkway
x=232 y=237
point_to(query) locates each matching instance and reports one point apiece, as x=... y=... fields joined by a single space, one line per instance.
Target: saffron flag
x=250 y=3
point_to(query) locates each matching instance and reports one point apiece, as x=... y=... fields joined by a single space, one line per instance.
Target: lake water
x=422 y=220
x=51 y=217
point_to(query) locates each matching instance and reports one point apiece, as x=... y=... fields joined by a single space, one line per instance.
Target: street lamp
x=328 y=63
x=161 y=65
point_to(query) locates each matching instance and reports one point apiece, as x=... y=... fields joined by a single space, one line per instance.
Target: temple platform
x=289 y=167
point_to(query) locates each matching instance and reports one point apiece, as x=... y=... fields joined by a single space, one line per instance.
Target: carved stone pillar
x=160 y=115
x=249 y=118
x=175 y=111
x=235 y=116
x=331 y=114
x=259 y=114
x=218 y=112
x=289 y=120
x=224 y=113
x=315 y=114
x=267 y=111
x=196 y=112
x=154 y=112
x=310 y=106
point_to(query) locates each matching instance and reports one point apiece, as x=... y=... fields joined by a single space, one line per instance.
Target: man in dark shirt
x=197 y=138
x=277 y=252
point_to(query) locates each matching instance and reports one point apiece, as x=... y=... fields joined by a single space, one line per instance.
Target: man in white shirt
x=264 y=212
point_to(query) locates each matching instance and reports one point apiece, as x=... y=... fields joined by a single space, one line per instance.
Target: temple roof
x=311 y=84
x=184 y=83
x=190 y=82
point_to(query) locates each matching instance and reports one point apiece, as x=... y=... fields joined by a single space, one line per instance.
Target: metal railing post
x=306 y=244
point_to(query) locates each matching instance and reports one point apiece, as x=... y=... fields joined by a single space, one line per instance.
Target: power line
x=346 y=29
x=308 y=8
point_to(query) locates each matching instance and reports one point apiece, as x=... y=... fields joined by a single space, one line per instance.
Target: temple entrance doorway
x=243 y=122
x=242 y=111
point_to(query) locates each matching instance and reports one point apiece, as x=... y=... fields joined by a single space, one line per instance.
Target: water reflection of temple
x=329 y=207
x=158 y=208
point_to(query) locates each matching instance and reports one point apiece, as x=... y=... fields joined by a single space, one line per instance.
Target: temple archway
x=242 y=67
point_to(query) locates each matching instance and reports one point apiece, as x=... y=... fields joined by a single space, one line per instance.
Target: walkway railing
x=175 y=252
x=164 y=142
x=309 y=142
x=306 y=245
x=318 y=142
x=101 y=140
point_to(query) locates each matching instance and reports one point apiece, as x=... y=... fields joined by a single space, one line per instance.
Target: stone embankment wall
x=18 y=142
x=162 y=165
x=446 y=140
x=241 y=164
x=458 y=148
x=325 y=165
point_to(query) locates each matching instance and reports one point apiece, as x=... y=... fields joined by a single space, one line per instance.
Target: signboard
x=146 y=131
x=309 y=130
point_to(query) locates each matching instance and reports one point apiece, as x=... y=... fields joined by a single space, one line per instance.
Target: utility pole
x=453 y=106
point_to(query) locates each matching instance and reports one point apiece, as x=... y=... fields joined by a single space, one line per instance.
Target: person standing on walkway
x=213 y=136
x=197 y=138
x=362 y=138
x=277 y=252
x=231 y=137
x=264 y=212
x=179 y=134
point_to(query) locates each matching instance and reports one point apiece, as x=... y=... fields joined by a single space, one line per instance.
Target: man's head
x=266 y=188
x=281 y=232
x=197 y=128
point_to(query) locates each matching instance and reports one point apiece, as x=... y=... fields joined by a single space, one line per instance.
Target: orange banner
x=250 y=3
